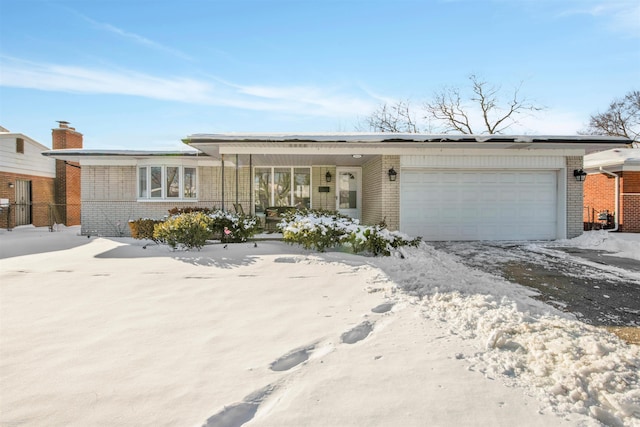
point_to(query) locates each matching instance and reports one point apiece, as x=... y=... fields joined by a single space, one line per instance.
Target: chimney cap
x=63 y=123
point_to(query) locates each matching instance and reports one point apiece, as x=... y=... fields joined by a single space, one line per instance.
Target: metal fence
x=39 y=214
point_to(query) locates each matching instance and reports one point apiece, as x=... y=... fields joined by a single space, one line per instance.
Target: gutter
x=617 y=199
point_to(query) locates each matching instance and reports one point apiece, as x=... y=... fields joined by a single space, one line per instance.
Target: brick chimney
x=67 y=182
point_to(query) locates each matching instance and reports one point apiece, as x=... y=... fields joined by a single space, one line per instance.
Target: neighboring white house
x=26 y=180
x=440 y=187
x=39 y=190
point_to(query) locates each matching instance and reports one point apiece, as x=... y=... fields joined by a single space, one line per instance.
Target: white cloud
x=65 y=78
x=620 y=15
x=136 y=38
x=296 y=100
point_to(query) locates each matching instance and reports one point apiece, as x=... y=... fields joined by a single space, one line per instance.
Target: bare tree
x=392 y=118
x=621 y=119
x=496 y=114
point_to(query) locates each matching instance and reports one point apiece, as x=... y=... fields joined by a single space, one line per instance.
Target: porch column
x=222 y=180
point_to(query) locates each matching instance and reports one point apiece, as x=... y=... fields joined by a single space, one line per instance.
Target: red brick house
x=36 y=190
x=612 y=190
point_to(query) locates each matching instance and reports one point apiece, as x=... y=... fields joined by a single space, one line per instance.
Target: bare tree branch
x=447 y=109
x=622 y=118
x=393 y=118
x=448 y=112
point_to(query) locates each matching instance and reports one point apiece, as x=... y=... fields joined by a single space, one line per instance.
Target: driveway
x=598 y=288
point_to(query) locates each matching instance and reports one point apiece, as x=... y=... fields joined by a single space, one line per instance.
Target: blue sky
x=142 y=74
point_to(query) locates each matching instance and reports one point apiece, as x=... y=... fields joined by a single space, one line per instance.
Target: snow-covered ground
x=625 y=245
x=99 y=331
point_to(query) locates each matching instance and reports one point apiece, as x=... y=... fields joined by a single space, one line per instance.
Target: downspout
x=222 y=159
x=617 y=199
x=237 y=177
x=252 y=205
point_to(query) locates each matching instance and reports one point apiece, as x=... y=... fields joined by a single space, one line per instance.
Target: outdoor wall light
x=579 y=174
x=327 y=176
x=11 y=185
x=393 y=175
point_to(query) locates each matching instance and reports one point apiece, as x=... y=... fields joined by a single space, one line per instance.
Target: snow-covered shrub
x=232 y=227
x=317 y=230
x=193 y=228
x=320 y=230
x=189 y=230
x=377 y=240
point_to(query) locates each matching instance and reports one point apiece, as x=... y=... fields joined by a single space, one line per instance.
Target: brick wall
x=68 y=175
x=391 y=192
x=631 y=209
x=599 y=195
x=575 y=200
x=42 y=195
x=372 y=192
x=630 y=202
x=381 y=197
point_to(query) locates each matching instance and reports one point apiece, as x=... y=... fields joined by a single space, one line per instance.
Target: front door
x=348 y=191
x=23 y=202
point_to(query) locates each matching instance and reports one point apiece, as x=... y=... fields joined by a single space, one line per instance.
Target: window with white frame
x=167 y=182
x=281 y=186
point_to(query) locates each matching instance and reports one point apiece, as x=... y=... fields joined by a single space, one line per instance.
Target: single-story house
x=612 y=190
x=440 y=187
x=35 y=190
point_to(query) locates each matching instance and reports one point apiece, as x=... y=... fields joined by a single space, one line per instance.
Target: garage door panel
x=479 y=205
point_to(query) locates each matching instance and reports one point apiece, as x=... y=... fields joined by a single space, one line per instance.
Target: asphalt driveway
x=598 y=288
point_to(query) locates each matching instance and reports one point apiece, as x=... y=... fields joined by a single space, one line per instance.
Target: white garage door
x=479 y=205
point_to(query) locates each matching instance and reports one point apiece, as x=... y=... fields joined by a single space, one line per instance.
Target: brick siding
x=68 y=175
x=630 y=202
x=42 y=196
x=381 y=197
x=599 y=196
x=575 y=201
x=372 y=192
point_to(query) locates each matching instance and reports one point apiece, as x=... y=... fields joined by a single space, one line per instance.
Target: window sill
x=167 y=200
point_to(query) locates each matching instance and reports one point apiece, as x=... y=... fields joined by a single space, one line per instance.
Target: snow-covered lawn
x=100 y=331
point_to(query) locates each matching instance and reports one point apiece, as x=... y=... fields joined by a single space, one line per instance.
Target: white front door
x=349 y=191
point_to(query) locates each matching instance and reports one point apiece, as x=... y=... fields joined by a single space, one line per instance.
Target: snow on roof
x=135 y=153
x=400 y=137
x=614 y=157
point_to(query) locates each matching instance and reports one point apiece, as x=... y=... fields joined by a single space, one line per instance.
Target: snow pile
x=569 y=366
x=624 y=245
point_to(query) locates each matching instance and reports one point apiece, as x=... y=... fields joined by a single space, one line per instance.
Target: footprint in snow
x=383 y=308
x=358 y=333
x=291 y=359
x=240 y=413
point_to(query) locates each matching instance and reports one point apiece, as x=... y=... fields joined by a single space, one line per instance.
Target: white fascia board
x=132 y=161
x=364 y=149
x=493 y=152
x=178 y=161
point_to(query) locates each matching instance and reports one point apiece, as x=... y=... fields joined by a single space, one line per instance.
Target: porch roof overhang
x=616 y=160
x=325 y=148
